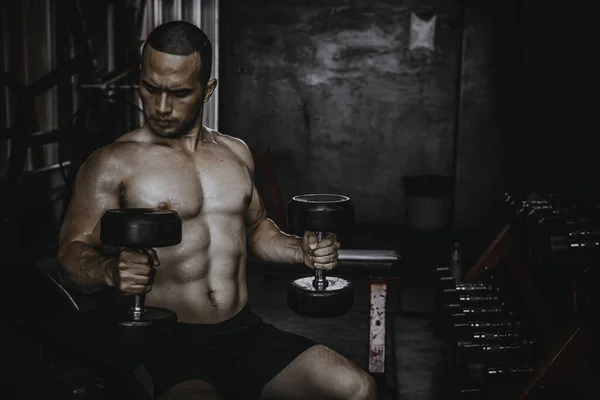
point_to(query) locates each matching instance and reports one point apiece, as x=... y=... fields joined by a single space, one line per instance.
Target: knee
x=368 y=387
x=362 y=386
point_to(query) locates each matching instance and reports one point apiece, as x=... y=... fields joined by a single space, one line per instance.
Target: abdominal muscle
x=203 y=278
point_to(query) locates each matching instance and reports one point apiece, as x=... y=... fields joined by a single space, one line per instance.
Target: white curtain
x=205 y=15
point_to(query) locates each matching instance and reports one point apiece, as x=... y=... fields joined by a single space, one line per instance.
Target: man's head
x=175 y=72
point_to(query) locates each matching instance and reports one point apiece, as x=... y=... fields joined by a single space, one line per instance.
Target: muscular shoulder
x=107 y=163
x=239 y=148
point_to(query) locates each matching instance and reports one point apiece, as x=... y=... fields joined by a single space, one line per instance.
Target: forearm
x=84 y=268
x=269 y=244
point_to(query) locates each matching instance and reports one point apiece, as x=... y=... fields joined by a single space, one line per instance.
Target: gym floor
x=419 y=354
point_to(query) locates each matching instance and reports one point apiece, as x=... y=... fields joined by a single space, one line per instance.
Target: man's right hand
x=134 y=273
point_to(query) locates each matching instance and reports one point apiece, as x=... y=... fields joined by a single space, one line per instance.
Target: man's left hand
x=320 y=255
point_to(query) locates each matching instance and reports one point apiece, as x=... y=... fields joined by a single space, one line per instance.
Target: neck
x=196 y=137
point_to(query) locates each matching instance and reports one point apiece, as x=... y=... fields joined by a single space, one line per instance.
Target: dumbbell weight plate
x=140 y=228
x=335 y=300
x=321 y=212
x=152 y=329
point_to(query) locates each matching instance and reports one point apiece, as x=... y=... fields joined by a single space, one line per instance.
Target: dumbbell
x=471 y=288
x=482 y=381
x=320 y=296
x=457 y=300
x=480 y=331
x=517 y=353
x=141 y=229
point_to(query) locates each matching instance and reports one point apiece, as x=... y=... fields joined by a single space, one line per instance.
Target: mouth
x=163 y=122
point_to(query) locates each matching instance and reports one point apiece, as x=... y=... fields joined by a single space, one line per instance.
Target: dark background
x=331 y=89
x=338 y=98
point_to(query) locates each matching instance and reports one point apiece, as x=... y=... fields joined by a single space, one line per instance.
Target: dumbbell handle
x=320 y=282
x=139 y=309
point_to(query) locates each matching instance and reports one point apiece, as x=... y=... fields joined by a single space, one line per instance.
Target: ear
x=210 y=89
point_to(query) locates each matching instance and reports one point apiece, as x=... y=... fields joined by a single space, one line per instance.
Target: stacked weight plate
x=491 y=338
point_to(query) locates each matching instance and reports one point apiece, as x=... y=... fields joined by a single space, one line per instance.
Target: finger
x=326 y=266
x=311 y=239
x=325 y=251
x=129 y=269
x=327 y=241
x=134 y=257
x=138 y=289
x=325 y=259
x=138 y=279
x=154 y=256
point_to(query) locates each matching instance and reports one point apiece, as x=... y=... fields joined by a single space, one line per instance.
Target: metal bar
x=208 y=20
x=197 y=13
x=81 y=37
x=377 y=326
x=48 y=168
x=52 y=78
x=110 y=82
x=23 y=161
x=25 y=40
x=139 y=18
x=110 y=36
x=64 y=51
x=369 y=255
x=158 y=14
x=177 y=10
x=32 y=139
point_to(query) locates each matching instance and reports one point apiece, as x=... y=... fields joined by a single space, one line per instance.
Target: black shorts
x=238 y=356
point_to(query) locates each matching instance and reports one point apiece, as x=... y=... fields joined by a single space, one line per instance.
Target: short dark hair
x=182 y=38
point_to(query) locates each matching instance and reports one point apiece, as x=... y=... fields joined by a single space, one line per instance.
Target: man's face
x=171 y=92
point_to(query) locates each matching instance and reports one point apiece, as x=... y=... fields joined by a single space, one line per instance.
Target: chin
x=165 y=133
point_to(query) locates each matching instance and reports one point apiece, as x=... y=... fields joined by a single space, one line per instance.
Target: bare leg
x=192 y=390
x=321 y=373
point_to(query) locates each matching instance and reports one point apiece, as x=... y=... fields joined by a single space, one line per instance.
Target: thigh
x=179 y=371
x=192 y=390
x=266 y=352
x=320 y=373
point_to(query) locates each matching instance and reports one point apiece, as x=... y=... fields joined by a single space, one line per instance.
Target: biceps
x=256 y=211
x=82 y=221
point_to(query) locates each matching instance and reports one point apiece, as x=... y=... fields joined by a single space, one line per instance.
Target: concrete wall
x=335 y=94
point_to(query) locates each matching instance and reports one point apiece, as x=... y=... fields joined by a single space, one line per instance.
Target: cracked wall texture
x=332 y=90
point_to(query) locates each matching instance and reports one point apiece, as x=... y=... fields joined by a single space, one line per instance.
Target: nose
x=163 y=104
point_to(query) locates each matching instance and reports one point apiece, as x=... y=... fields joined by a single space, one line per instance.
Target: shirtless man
x=174 y=162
